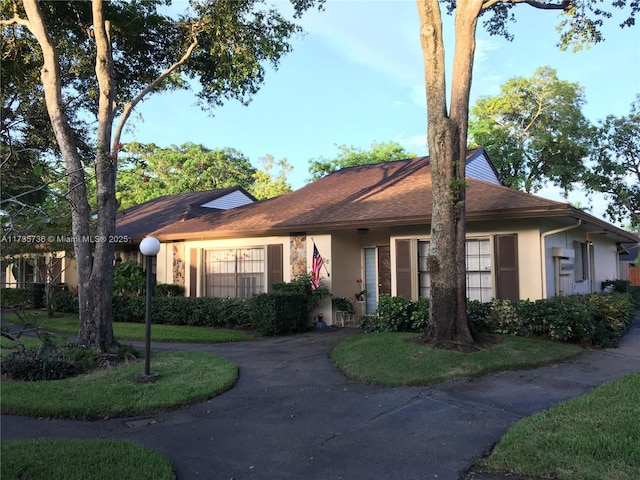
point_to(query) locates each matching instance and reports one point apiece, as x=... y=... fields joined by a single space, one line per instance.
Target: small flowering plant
x=360 y=295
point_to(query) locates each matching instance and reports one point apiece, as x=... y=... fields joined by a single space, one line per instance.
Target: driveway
x=292 y=415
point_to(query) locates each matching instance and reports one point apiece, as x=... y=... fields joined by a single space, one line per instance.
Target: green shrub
x=168 y=290
x=128 y=309
x=614 y=315
x=128 y=279
x=32 y=365
x=279 y=313
x=301 y=284
x=37 y=295
x=420 y=315
x=397 y=314
x=597 y=320
x=620 y=286
x=201 y=311
x=477 y=314
x=62 y=300
x=634 y=291
x=14 y=297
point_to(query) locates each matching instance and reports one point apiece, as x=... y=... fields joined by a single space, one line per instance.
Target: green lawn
x=392 y=359
x=68 y=325
x=81 y=460
x=593 y=437
x=185 y=377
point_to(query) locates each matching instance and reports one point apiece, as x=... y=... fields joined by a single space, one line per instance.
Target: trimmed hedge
x=14 y=297
x=62 y=300
x=274 y=313
x=32 y=296
x=279 y=313
x=597 y=320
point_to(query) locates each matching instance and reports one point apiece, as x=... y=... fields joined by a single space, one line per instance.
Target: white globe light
x=149 y=246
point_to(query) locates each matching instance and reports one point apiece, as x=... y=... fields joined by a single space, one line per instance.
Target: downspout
x=543 y=258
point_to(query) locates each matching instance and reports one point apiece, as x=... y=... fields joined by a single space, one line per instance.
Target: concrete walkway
x=292 y=415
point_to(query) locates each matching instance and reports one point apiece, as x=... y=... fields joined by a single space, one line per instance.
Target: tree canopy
x=148 y=171
x=350 y=156
x=534 y=131
x=614 y=167
x=91 y=63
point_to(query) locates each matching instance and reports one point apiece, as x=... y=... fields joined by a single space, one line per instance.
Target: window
x=478 y=261
x=234 y=273
x=581 y=267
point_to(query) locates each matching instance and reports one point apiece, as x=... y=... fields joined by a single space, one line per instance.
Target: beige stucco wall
x=529 y=265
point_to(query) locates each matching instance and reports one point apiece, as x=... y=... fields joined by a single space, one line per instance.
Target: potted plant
x=360 y=296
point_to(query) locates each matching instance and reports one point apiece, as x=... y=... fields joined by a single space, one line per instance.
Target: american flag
x=316 y=265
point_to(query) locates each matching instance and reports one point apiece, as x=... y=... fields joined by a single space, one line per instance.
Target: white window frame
x=479 y=281
x=234 y=272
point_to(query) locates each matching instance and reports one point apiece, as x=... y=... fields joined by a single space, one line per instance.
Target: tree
x=350 y=156
x=149 y=171
x=101 y=59
x=615 y=165
x=447 y=127
x=534 y=131
x=268 y=185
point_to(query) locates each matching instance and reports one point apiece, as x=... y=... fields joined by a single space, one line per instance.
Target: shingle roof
x=392 y=193
x=139 y=221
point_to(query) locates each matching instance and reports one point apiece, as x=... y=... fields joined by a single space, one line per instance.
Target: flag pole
x=323 y=263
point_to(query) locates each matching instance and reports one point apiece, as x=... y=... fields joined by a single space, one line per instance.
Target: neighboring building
x=132 y=225
x=135 y=223
x=372 y=222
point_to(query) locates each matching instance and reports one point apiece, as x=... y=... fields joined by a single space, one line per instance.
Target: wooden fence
x=634 y=275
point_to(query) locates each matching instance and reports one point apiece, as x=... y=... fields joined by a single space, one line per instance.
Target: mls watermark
x=39 y=239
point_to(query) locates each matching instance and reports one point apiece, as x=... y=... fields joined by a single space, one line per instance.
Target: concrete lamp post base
x=150 y=377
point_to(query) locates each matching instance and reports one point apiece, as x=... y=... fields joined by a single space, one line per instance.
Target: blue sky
x=356 y=77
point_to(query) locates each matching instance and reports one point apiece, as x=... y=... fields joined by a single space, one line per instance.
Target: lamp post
x=149 y=247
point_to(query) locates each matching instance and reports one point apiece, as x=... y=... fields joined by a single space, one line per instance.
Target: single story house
x=132 y=225
x=371 y=224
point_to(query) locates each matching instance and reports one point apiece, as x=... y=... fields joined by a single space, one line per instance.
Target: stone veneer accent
x=178 y=264
x=298 y=254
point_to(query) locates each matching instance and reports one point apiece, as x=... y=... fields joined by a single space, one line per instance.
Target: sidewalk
x=292 y=415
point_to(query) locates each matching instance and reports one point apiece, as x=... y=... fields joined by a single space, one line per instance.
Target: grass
x=392 y=359
x=68 y=325
x=81 y=460
x=8 y=346
x=592 y=437
x=185 y=377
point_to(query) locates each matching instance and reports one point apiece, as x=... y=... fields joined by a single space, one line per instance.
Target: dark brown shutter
x=274 y=265
x=507 y=267
x=193 y=273
x=403 y=268
x=384 y=270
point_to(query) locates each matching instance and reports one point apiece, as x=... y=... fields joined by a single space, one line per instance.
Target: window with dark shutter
x=193 y=273
x=506 y=262
x=403 y=268
x=274 y=265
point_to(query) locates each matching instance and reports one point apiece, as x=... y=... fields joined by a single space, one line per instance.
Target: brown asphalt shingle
x=392 y=193
x=139 y=221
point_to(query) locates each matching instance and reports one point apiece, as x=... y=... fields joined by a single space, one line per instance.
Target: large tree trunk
x=447 y=139
x=93 y=253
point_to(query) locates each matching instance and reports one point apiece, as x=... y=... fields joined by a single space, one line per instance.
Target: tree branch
x=16 y=19
x=131 y=105
x=563 y=5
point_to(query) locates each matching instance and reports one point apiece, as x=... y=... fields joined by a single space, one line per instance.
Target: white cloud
x=381 y=36
x=415 y=143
